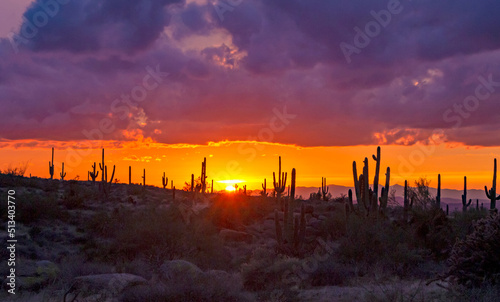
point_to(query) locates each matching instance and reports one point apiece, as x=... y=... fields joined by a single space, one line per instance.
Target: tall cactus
x=204 y=175
x=94 y=173
x=212 y=187
x=376 y=179
x=465 y=204
x=492 y=193
x=164 y=180
x=292 y=236
x=102 y=166
x=106 y=186
x=324 y=189
x=62 y=174
x=366 y=188
x=144 y=178
x=192 y=182
x=129 y=175
x=51 y=165
x=279 y=187
x=438 y=196
x=384 y=194
x=407 y=203
x=357 y=187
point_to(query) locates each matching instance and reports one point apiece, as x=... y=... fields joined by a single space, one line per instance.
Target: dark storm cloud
x=421 y=72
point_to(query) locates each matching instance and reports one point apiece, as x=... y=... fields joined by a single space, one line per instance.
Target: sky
x=161 y=84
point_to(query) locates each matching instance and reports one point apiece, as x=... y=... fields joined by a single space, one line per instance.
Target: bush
x=475 y=260
x=154 y=234
x=76 y=194
x=233 y=210
x=267 y=271
x=379 y=244
x=32 y=207
x=330 y=272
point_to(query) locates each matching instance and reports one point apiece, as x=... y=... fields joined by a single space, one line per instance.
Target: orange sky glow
x=248 y=163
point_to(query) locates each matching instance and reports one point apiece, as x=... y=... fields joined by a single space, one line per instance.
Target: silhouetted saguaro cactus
x=106 y=186
x=203 y=175
x=438 y=195
x=212 y=187
x=129 y=175
x=51 y=166
x=192 y=182
x=465 y=204
x=384 y=194
x=279 y=187
x=94 y=173
x=62 y=174
x=324 y=189
x=407 y=203
x=492 y=193
x=375 y=180
x=357 y=187
x=264 y=189
x=292 y=236
x=144 y=178
x=102 y=166
x=164 y=180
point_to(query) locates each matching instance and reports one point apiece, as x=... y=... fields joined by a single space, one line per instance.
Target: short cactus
x=264 y=189
x=51 y=166
x=324 y=189
x=62 y=174
x=164 y=181
x=94 y=173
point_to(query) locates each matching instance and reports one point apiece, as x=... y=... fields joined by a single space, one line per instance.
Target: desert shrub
x=368 y=243
x=32 y=207
x=233 y=210
x=433 y=231
x=16 y=171
x=335 y=225
x=331 y=272
x=154 y=234
x=268 y=271
x=75 y=195
x=462 y=222
x=11 y=181
x=136 y=190
x=475 y=260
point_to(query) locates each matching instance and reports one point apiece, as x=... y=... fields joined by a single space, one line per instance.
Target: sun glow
x=230 y=189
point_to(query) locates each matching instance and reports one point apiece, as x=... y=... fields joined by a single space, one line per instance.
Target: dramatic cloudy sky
x=431 y=71
x=231 y=63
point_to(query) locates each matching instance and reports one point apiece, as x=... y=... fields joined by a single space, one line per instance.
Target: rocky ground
x=141 y=244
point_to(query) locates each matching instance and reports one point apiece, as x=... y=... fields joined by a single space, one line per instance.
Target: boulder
x=170 y=270
x=102 y=286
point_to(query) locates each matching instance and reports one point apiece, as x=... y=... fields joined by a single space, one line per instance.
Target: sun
x=230 y=189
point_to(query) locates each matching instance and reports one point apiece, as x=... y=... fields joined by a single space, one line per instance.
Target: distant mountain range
x=450 y=197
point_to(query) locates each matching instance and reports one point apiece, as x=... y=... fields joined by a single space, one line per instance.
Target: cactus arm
x=487 y=193
x=376 y=177
x=357 y=189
